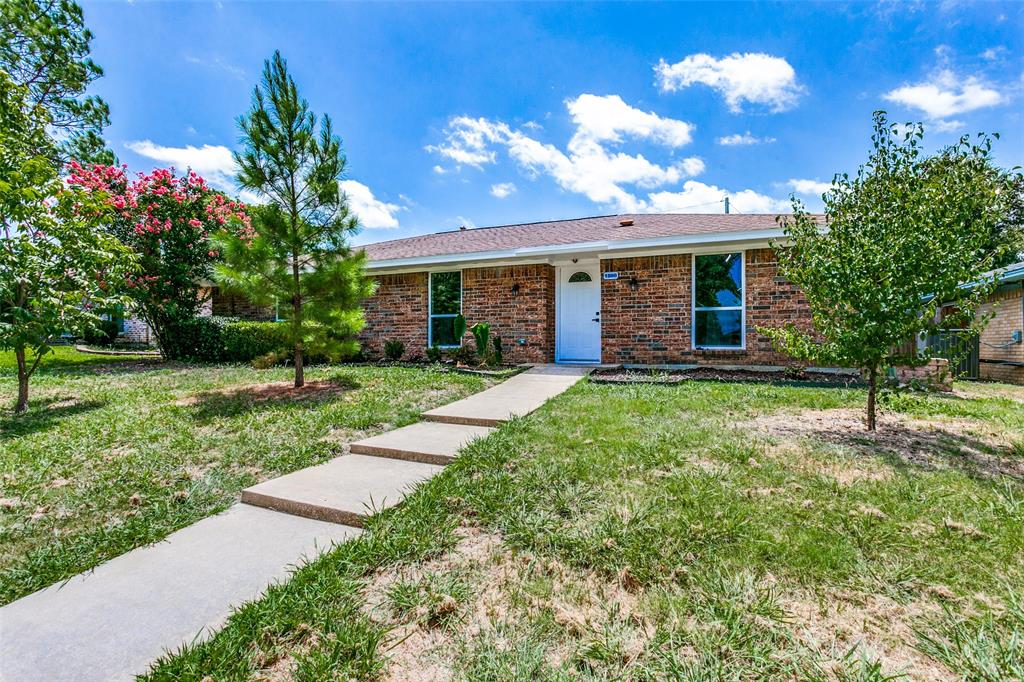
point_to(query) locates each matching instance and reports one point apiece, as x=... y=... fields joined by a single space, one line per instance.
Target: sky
x=478 y=114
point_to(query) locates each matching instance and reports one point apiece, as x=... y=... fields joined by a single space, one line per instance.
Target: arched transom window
x=579 y=277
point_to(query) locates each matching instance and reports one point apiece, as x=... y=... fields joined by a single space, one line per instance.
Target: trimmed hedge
x=246 y=341
x=224 y=339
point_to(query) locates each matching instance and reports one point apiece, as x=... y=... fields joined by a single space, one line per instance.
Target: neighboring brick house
x=1001 y=347
x=215 y=302
x=626 y=289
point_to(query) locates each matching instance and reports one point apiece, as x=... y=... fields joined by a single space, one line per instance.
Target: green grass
x=115 y=453
x=687 y=545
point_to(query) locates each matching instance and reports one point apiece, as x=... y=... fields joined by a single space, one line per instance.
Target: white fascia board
x=604 y=248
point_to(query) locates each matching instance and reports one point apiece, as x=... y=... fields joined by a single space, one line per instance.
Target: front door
x=578 y=337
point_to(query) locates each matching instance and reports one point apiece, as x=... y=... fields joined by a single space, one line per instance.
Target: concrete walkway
x=113 y=622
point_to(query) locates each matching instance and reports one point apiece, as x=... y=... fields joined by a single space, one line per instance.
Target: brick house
x=1001 y=347
x=625 y=289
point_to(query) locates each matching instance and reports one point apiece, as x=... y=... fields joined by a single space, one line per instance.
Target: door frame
x=590 y=264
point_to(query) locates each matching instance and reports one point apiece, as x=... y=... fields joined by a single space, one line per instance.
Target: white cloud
x=754 y=78
x=743 y=140
x=440 y=170
x=465 y=222
x=219 y=63
x=945 y=95
x=372 y=212
x=587 y=166
x=503 y=189
x=698 y=197
x=809 y=187
x=993 y=53
x=607 y=118
x=213 y=162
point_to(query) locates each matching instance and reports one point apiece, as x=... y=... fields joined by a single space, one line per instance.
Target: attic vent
x=625 y=222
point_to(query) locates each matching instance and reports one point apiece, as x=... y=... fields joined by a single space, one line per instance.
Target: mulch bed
x=676 y=376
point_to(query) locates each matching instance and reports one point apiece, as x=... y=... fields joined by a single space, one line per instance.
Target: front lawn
x=700 y=531
x=117 y=452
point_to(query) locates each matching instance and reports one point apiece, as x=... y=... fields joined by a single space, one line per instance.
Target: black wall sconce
x=634 y=283
x=515 y=289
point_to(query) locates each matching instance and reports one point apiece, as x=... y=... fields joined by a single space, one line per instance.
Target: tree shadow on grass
x=43 y=415
x=237 y=400
x=907 y=444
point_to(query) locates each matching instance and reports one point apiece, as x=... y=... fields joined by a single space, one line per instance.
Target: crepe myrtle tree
x=299 y=255
x=57 y=265
x=166 y=220
x=900 y=238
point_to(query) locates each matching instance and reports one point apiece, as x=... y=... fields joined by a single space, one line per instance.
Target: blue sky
x=485 y=114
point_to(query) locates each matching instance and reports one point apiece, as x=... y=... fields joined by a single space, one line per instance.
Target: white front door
x=578 y=337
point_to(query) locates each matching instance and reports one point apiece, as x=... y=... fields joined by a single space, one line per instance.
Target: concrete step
x=428 y=442
x=344 y=490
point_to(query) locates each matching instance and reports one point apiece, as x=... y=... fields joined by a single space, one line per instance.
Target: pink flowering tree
x=166 y=220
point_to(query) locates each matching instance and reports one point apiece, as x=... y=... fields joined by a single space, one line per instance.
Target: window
x=718 y=301
x=445 y=305
x=579 y=277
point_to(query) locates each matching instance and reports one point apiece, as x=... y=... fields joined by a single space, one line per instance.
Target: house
x=1001 y=346
x=645 y=289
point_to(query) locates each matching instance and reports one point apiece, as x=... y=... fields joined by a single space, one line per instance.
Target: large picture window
x=445 y=305
x=718 y=301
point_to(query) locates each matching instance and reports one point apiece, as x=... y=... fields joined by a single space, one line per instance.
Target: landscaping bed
x=620 y=375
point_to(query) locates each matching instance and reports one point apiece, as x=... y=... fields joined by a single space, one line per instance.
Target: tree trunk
x=872 y=390
x=300 y=378
x=22 y=403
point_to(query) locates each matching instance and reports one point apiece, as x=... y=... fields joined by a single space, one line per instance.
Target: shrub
x=464 y=355
x=103 y=334
x=482 y=335
x=197 y=338
x=245 y=341
x=394 y=350
x=434 y=353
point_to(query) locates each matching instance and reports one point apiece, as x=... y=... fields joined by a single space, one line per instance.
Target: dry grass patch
x=961 y=443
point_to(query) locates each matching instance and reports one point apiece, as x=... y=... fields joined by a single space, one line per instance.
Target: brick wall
x=397 y=311
x=1005 y=306
x=527 y=315
x=231 y=305
x=652 y=325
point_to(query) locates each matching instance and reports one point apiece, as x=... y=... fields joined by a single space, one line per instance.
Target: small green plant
x=434 y=353
x=394 y=350
x=497 y=352
x=460 y=327
x=482 y=336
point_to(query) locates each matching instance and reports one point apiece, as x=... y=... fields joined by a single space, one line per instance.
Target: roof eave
x=603 y=246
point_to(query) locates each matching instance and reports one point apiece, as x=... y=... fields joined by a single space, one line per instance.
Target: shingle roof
x=562 y=232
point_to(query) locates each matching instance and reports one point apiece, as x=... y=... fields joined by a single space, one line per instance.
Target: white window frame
x=694 y=308
x=430 y=307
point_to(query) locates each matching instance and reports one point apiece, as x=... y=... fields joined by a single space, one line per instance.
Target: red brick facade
x=231 y=305
x=397 y=311
x=652 y=324
x=524 y=318
x=648 y=324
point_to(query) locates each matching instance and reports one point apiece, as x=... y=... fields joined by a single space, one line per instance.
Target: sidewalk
x=113 y=622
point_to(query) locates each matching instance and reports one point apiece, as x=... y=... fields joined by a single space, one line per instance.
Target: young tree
x=900 y=238
x=166 y=221
x=57 y=265
x=44 y=46
x=300 y=256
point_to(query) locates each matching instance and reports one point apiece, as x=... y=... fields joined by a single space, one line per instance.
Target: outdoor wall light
x=515 y=289
x=634 y=283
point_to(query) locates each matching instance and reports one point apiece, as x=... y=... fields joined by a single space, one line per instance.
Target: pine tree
x=300 y=256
